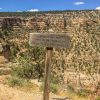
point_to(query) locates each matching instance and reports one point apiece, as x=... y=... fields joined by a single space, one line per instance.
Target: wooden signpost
x=49 y=41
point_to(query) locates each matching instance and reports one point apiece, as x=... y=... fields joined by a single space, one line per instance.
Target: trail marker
x=49 y=41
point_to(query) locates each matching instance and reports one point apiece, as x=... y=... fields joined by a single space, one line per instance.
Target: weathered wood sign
x=49 y=40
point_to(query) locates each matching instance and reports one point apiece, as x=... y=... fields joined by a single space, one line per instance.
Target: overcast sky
x=44 y=5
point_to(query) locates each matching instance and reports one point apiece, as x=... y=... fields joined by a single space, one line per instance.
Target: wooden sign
x=49 y=40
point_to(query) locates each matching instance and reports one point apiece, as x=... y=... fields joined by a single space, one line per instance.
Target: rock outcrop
x=60 y=22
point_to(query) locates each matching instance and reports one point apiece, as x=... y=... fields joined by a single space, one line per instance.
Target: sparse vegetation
x=15 y=81
x=54 y=87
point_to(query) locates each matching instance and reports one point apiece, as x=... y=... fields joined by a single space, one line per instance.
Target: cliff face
x=63 y=22
x=11 y=23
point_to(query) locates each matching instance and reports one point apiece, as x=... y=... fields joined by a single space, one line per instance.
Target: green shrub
x=23 y=69
x=29 y=65
x=54 y=79
x=70 y=88
x=14 y=81
x=53 y=87
x=83 y=93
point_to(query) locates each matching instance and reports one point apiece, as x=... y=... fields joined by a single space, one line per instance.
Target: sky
x=46 y=5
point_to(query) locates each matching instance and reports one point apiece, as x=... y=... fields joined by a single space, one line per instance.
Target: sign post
x=47 y=73
x=49 y=41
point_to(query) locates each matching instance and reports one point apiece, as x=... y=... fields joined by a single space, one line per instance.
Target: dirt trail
x=9 y=93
